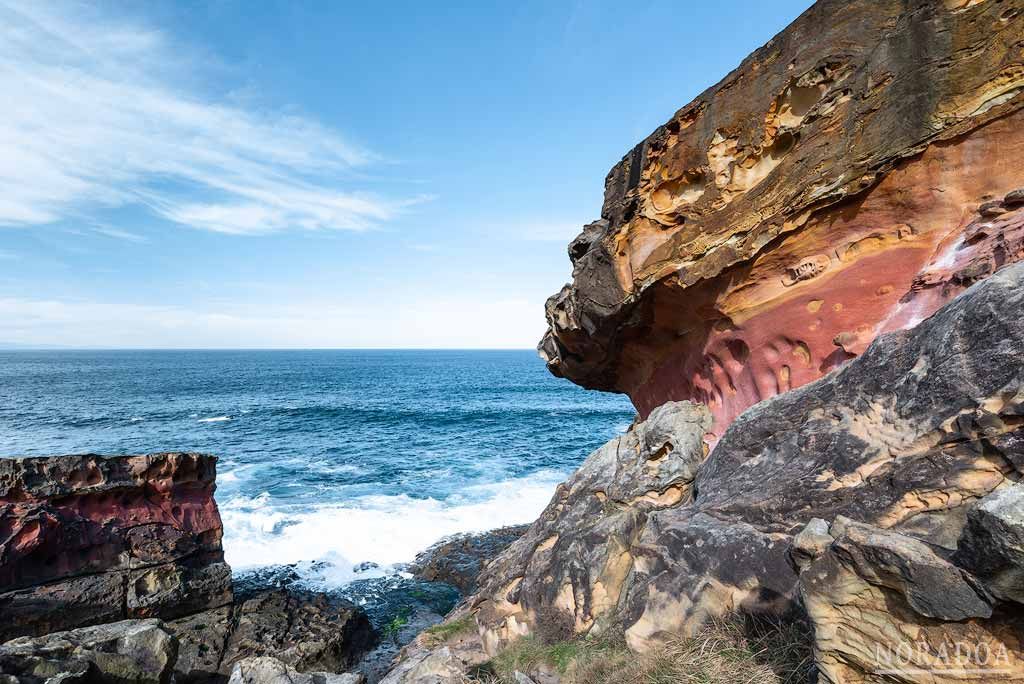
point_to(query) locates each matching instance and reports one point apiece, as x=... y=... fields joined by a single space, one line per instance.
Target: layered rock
x=887 y=606
x=900 y=445
x=90 y=539
x=847 y=179
x=137 y=651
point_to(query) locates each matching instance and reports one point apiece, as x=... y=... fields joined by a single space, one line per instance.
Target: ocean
x=330 y=461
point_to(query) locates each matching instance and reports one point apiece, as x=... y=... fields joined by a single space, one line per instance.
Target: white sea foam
x=215 y=419
x=327 y=541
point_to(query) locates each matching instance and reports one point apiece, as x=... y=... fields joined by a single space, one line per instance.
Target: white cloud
x=456 y=322
x=97 y=112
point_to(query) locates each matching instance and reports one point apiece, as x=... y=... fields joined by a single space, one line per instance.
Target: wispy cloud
x=99 y=112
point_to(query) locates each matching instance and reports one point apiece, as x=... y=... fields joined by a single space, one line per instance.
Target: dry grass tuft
x=733 y=651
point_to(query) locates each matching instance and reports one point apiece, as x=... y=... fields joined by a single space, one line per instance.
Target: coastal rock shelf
x=99 y=543
x=849 y=177
x=87 y=539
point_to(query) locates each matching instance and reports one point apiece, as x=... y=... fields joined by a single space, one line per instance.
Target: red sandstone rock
x=847 y=179
x=89 y=539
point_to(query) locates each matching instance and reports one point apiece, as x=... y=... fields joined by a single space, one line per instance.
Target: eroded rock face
x=305 y=631
x=889 y=607
x=137 y=651
x=901 y=445
x=574 y=565
x=458 y=560
x=850 y=177
x=90 y=539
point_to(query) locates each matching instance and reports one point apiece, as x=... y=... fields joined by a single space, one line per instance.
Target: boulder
x=90 y=539
x=845 y=180
x=268 y=670
x=458 y=560
x=129 y=651
x=888 y=607
x=992 y=543
x=305 y=631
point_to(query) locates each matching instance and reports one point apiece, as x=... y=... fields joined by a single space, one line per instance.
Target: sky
x=230 y=174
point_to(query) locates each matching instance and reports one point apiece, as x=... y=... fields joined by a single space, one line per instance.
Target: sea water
x=330 y=461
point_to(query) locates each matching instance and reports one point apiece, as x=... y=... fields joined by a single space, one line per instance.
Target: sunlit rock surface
x=845 y=180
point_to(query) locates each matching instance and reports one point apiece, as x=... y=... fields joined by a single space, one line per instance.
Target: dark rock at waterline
x=458 y=560
x=305 y=630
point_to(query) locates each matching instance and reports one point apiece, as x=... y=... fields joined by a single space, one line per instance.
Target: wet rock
x=130 y=651
x=458 y=560
x=304 y=630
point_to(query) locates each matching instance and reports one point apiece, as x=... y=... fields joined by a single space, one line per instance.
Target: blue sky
x=324 y=174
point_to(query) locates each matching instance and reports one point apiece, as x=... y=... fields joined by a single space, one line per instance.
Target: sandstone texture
x=90 y=539
x=847 y=179
x=879 y=500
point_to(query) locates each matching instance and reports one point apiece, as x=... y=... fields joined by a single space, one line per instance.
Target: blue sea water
x=329 y=459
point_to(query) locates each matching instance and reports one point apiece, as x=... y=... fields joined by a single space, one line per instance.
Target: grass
x=440 y=633
x=734 y=651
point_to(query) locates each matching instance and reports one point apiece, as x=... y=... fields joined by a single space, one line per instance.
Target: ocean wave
x=215 y=419
x=326 y=543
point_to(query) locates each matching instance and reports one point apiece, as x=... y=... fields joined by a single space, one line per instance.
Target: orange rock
x=847 y=179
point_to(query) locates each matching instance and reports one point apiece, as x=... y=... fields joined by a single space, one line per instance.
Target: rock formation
x=890 y=482
x=137 y=651
x=845 y=180
x=88 y=539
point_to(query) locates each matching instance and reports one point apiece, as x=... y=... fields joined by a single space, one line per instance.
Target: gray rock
x=268 y=670
x=304 y=630
x=137 y=651
x=992 y=544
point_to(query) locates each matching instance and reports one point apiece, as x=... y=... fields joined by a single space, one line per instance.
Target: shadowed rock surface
x=130 y=651
x=90 y=539
x=457 y=561
x=849 y=177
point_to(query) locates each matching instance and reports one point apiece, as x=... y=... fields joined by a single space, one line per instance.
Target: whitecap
x=215 y=419
x=328 y=541
x=135 y=419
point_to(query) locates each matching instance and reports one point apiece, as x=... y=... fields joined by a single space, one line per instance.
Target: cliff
x=125 y=552
x=844 y=181
x=87 y=539
x=806 y=282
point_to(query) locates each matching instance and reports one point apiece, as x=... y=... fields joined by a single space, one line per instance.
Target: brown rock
x=818 y=190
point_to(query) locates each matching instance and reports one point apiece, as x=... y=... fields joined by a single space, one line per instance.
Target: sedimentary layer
x=89 y=539
x=848 y=178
